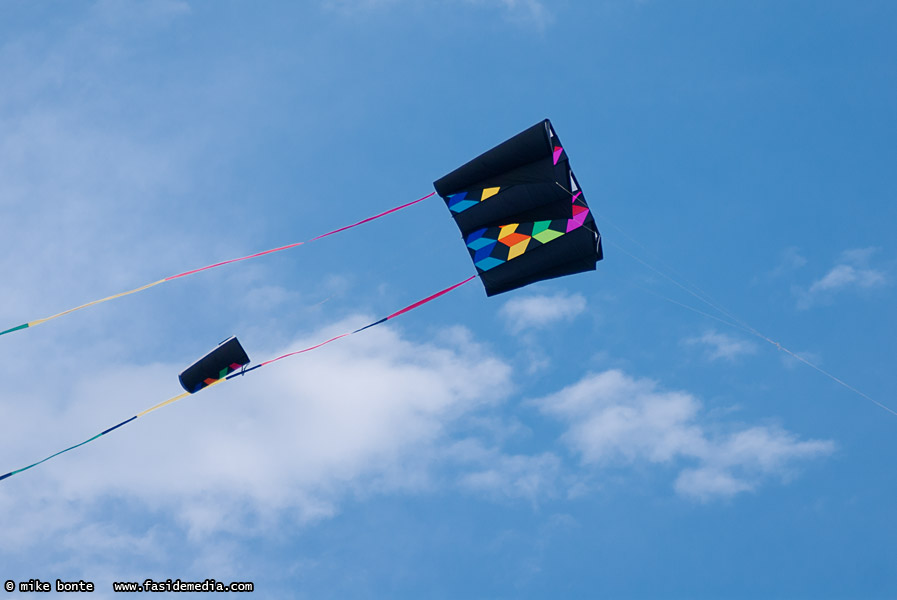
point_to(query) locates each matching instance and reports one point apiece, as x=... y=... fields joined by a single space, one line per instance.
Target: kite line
x=408 y=308
x=212 y=266
x=731 y=320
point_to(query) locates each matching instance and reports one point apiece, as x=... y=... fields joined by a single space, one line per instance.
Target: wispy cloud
x=851 y=271
x=524 y=11
x=848 y=275
x=722 y=346
x=790 y=260
x=497 y=474
x=352 y=6
x=115 y=13
x=535 y=312
x=533 y=13
x=612 y=419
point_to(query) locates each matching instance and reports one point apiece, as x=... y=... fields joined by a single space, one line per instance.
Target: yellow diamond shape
x=518 y=249
x=489 y=192
x=507 y=230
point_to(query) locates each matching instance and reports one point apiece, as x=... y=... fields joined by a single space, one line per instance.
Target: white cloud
x=491 y=471
x=719 y=345
x=844 y=275
x=523 y=12
x=370 y=414
x=708 y=482
x=790 y=260
x=350 y=6
x=612 y=419
x=851 y=271
x=118 y=14
x=534 y=312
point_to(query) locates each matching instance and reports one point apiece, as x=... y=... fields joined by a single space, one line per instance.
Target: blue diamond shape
x=489 y=263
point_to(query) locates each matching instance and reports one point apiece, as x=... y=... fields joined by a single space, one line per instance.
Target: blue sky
x=585 y=437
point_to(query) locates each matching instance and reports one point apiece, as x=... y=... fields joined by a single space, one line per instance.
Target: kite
x=521 y=214
x=228 y=357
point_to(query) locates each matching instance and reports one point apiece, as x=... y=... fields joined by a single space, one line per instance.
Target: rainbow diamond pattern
x=463 y=200
x=221 y=375
x=495 y=246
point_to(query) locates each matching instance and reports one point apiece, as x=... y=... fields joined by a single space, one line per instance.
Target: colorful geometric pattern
x=463 y=200
x=495 y=246
x=556 y=154
x=221 y=375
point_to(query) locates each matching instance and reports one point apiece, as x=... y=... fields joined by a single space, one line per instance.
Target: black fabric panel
x=227 y=353
x=574 y=252
x=526 y=147
x=537 y=171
